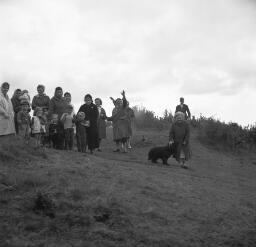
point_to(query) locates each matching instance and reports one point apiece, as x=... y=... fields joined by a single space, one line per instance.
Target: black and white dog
x=163 y=153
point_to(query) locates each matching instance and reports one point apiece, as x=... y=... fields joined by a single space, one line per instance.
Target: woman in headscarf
x=6 y=112
x=41 y=99
x=91 y=116
x=16 y=104
x=120 y=119
x=179 y=137
x=101 y=121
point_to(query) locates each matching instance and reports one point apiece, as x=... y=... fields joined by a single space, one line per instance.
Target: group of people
x=52 y=122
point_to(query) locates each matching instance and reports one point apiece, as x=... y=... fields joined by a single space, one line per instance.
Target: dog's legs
x=165 y=161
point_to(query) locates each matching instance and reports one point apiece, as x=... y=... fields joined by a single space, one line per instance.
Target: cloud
x=153 y=49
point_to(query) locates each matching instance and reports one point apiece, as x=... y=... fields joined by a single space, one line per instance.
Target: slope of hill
x=55 y=198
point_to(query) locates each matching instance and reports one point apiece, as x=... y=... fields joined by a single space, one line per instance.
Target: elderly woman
x=41 y=99
x=16 y=104
x=179 y=136
x=121 y=123
x=6 y=112
x=91 y=116
x=101 y=121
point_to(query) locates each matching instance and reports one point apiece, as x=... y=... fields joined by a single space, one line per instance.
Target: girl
x=91 y=116
x=81 y=125
x=38 y=126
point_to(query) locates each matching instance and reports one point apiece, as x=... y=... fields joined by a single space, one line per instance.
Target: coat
x=102 y=124
x=121 y=122
x=91 y=114
x=180 y=134
x=57 y=106
x=41 y=101
x=6 y=108
x=183 y=109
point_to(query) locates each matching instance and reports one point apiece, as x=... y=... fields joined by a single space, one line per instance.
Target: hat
x=24 y=102
x=179 y=115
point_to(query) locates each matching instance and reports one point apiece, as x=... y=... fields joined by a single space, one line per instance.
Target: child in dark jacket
x=55 y=132
x=81 y=125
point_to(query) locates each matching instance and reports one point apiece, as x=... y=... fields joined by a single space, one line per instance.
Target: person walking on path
x=179 y=137
x=6 y=112
x=91 y=116
x=183 y=108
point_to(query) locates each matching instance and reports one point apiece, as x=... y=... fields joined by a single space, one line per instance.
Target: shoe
x=130 y=147
x=117 y=150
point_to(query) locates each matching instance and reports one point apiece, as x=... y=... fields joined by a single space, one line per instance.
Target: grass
x=108 y=199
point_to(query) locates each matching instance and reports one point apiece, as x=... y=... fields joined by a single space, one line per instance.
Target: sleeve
x=2 y=110
x=124 y=101
x=176 y=109
x=189 y=115
x=51 y=108
x=187 y=133
x=19 y=117
x=48 y=102
x=63 y=117
x=34 y=103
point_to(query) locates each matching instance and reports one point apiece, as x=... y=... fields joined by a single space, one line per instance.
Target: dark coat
x=102 y=124
x=41 y=101
x=180 y=134
x=91 y=114
x=183 y=109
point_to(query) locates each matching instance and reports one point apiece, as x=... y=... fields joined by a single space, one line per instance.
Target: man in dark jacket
x=183 y=108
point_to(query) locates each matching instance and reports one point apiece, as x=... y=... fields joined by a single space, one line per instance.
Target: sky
x=156 y=50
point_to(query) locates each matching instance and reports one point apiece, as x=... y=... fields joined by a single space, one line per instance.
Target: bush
x=228 y=135
x=146 y=119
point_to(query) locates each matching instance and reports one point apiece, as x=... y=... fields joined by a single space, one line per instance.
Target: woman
x=41 y=99
x=101 y=121
x=91 y=116
x=179 y=137
x=120 y=119
x=16 y=104
x=58 y=105
x=6 y=112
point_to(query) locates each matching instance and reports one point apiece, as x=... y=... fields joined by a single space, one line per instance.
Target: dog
x=163 y=153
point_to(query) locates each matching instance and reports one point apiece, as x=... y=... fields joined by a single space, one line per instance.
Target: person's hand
x=123 y=93
x=111 y=98
x=184 y=143
x=171 y=142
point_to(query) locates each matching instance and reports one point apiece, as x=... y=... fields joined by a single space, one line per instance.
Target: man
x=183 y=108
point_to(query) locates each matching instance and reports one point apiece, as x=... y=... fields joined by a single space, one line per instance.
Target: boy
x=81 y=125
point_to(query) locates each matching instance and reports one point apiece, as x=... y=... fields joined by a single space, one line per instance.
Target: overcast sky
x=157 y=50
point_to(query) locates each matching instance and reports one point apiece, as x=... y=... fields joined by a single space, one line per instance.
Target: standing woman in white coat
x=6 y=112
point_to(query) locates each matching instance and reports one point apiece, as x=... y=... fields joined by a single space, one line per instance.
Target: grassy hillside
x=55 y=198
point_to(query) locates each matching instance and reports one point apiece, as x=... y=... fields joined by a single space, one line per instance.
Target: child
x=81 y=125
x=38 y=126
x=23 y=120
x=25 y=96
x=54 y=131
x=68 y=121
